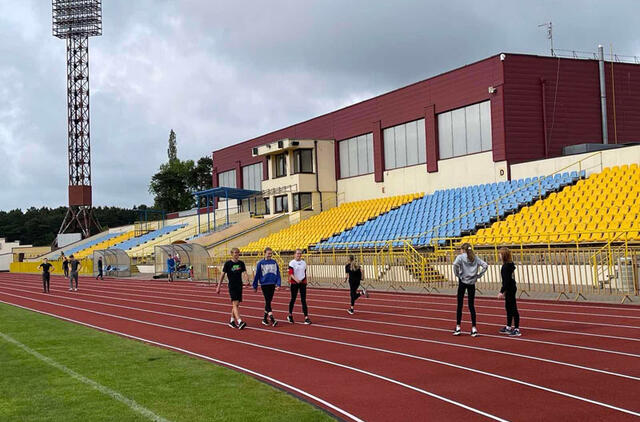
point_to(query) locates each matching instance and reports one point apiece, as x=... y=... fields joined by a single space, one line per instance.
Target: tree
x=172 y=151
x=201 y=175
x=170 y=186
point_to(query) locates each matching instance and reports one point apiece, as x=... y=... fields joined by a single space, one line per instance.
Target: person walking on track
x=508 y=293
x=65 y=265
x=100 y=273
x=46 y=275
x=354 y=277
x=298 y=282
x=268 y=275
x=235 y=271
x=468 y=268
x=75 y=267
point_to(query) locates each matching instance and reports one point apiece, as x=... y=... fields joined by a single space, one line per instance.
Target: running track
x=394 y=360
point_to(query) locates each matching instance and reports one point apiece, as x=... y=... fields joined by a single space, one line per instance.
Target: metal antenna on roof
x=549 y=27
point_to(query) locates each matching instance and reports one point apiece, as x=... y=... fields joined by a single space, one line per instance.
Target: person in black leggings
x=46 y=275
x=468 y=268
x=268 y=275
x=508 y=293
x=354 y=276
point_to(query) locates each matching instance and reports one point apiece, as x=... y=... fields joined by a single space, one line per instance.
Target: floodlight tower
x=76 y=21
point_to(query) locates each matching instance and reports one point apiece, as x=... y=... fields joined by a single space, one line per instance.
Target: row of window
x=301 y=201
x=463 y=131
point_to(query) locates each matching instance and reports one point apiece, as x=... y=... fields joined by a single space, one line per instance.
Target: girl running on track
x=268 y=275
x=298 y=281
x=236 y=271
x=468 y=268
x=508 y=293
x=354 y=277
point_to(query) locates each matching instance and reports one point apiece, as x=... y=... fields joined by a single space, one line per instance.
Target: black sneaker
x=232 y=324
x=307 y=321
x=515 y=333
x=265 y=322
x=274 y=322
x=505 y=330
x=457 y=332
x=242 y=325
x=290 y=318
x=350 y=310
x=474 y=333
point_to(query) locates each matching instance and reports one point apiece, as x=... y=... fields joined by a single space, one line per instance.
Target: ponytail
x=353 y=264
x=467 y=249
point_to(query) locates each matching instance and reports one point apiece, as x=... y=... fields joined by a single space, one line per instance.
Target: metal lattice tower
x=76 y=21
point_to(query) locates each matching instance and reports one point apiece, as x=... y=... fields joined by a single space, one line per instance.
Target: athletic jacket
x=267 y=272
x=469 y=272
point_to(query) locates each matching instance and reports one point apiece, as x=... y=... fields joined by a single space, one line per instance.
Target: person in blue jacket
x=171 y=267
x=268 y=275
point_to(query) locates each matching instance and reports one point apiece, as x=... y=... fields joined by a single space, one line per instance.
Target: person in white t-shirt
x=298 y=280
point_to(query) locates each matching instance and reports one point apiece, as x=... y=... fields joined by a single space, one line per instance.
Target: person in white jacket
x=468 y=268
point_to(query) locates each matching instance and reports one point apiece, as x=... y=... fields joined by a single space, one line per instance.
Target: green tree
x=170 y=186
x=201 y=175
x=172 y=151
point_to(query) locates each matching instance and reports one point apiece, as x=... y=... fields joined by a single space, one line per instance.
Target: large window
x=356 y=155
x=281 y=165
x=281 y=203
x=405 y=145
x=303 y=161
x=465 y=131
x=301 y=201
x=227 y=179
x=252 y=177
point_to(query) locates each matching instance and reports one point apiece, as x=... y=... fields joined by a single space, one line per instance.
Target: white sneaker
x=474 y=332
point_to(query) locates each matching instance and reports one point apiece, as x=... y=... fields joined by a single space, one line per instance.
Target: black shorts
x=235 y=292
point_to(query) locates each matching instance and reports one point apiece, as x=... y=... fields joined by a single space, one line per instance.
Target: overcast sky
x=220 y=72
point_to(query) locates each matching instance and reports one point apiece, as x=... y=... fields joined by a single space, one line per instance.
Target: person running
x=46 y=275
x=171 y=267
x=75 y=266
x=468 y=268
x=100 y=274
x=236 y=271
x=354 y=277
x=508 y=293
x=298 y=282
x=268 y=275
x=65 y=265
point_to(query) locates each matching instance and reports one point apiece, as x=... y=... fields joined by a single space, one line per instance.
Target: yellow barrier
x=32 y=267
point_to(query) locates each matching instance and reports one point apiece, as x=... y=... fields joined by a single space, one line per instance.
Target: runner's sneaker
x=307 y=321
x=242 y=325
x=505 y=330
x=274 y=322
x=365 y=292
x=474 y=332
x=457 y=332
x=515 y=333
x=290 y=318
x=265 y=322
x=76 y=289
x=350 y=310
x=70 y=289
x=232 y=324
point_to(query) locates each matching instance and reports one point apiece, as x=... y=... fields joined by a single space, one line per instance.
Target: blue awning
x=230 y=193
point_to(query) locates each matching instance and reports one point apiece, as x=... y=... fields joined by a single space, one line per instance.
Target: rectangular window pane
x=362 y=154
x=281 y=165
x=485 y=125
x=252 y=177
x=401 y=146
x=422 y=142
x=307 y=160
x=412 y=143
x=389 y=149
x=344 y=158
x=370 y=167
x=472 y=118
x=459 y=132
x=227 y=179
x=353 y=157
x=445 y=138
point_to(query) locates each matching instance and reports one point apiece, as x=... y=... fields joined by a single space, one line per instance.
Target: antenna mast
x=549 y=27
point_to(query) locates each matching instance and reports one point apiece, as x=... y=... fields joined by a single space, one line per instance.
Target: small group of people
x=175 y=265
x=468 y=268
x=267 y=276
x=70 y=268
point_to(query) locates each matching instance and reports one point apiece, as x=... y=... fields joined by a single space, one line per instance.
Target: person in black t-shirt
x=354 y=276
x=65 y=265
x=46 y=275
x=508 y=293
x=75 y=266
x=100 y=274
x=236 y=271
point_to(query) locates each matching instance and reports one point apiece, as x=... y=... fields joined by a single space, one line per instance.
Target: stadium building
x=505 y=117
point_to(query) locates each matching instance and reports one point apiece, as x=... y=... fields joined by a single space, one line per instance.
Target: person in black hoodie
x=508 y=293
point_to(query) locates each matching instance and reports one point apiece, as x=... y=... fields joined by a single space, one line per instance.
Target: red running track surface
x=394 y=360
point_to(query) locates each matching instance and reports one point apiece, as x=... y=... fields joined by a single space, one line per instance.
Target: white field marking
x=131 y=404
x=257 y=317
x=174 y=294
x=283 y=351
x=124 y=290
x=220 y=362
x=407 y=355
x=401 y=325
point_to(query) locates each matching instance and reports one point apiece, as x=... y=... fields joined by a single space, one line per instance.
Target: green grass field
x=171 y=385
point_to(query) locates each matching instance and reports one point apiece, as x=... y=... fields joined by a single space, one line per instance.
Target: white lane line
x=220 y=362
x=286 y=352
x=404 y=325
x=376 y=349
x=311 y=300
x=257 y=317
x=131 y=404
